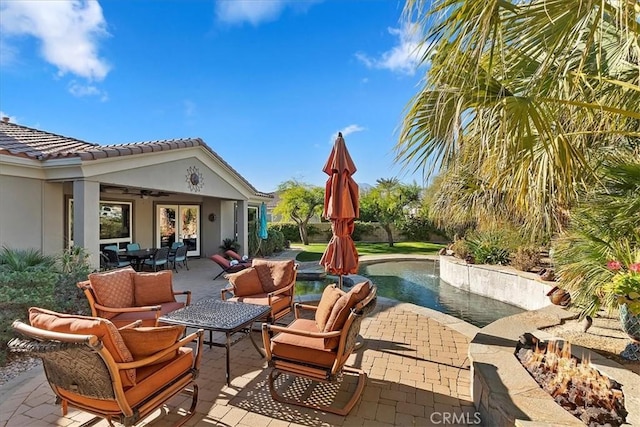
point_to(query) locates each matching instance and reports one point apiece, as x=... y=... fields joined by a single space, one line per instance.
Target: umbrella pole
x=340 y=281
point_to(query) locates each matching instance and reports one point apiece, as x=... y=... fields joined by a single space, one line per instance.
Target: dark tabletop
x=139 y=253
x=217 y=315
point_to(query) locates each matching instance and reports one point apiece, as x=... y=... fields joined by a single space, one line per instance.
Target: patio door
x=179 y=223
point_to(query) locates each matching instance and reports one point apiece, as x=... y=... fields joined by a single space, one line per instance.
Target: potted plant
x=625 y=287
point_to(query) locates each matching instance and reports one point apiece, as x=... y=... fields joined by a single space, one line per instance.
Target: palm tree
x=522 y=102
x=605 y=226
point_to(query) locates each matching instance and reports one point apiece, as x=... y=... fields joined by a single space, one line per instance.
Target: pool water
x=418 y=282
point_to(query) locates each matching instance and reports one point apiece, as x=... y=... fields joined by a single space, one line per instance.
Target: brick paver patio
x=417 y=366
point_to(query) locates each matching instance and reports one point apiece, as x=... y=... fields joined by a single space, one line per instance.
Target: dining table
x=138 y=256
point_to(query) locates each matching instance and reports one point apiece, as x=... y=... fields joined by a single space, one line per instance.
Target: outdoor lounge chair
x=235 y=255
x=317 y=349
x=120 y=375
x=227 y=266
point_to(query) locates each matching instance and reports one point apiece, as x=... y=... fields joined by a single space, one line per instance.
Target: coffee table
x=215 y=315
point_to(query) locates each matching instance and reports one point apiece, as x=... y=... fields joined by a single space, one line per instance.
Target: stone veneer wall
x=502 y=283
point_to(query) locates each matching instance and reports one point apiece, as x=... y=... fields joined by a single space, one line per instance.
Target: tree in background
x=389 y=203
x=521 y=104
x=300 y=202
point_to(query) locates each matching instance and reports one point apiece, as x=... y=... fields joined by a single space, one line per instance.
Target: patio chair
x=318 y=349
x=179 y=256
x=112 y=260
x=266 y=282
x=158 y=260
x=124 y=295
x=121 y=375
x=133 y=246
x=227 y=266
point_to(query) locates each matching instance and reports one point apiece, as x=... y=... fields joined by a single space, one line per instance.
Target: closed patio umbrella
x=341 y=207
x=262 y=230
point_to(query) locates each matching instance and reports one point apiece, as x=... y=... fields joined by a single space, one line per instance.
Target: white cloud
x=69 y=32
x=256 y=11
x=80 y=90
x=404 y=57
x=347 y=131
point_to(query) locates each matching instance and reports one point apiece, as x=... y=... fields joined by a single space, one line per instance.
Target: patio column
x=242 y=218
x=86 y=218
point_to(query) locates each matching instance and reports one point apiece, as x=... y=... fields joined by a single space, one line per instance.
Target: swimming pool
x=418 y=282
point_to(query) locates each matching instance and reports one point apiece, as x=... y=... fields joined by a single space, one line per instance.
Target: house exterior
x=57 y=192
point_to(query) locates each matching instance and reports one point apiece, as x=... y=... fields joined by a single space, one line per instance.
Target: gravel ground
x=16 y=365
x=605 y=336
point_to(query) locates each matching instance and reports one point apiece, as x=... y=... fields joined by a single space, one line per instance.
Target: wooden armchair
x=317 y=349
x=266 y=282
x=124 y=295
x=119 y=375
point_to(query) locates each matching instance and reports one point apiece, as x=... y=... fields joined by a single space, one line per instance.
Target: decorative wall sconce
x=212 y=217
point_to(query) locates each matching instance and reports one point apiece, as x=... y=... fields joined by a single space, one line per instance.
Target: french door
x=179 y=223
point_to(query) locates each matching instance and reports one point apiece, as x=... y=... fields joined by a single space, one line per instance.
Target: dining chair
x=113 y=260
x=158 y=260
x=179 y=255
x=133 y=246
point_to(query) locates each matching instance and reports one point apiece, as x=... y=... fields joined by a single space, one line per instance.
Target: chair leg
x=192 y=409
x=343 y=411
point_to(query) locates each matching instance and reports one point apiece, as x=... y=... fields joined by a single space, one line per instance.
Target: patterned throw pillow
x=153 y=288
x=113 y=288
x=281 y=273
x=245 y=282
x=84 y=325
x=330 y=296
x=145 y=341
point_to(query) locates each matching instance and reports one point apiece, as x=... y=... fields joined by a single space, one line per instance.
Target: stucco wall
x=27 y=207
x=505 y=284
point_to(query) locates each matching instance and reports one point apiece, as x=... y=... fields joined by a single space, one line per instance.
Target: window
x=115 y=222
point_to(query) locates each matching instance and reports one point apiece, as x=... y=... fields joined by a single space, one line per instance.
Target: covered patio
x=415 y=359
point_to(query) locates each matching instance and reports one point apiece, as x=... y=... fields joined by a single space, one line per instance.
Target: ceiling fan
x=142 y=193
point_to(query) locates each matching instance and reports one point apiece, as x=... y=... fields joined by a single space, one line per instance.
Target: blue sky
x=267 y=84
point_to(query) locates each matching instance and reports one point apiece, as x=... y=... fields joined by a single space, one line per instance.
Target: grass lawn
x=314 y=251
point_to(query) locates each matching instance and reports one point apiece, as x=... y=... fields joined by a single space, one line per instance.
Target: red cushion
x=146 y=341
x=278 y=302
x=113 y=288
x=245 y=282
x=330 y=296
x=302 y=349
x=281 y=273
x=342 y=309
x=148 y=317
x=153 y=288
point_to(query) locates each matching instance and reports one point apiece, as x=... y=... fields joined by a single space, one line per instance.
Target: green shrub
x=362 y=228
x=288 y=229
x=525 y=258
x=74 y=268
x=460 y=248
x=419 y=229
x=489 y=247
x=230 y=244
x=27 y=278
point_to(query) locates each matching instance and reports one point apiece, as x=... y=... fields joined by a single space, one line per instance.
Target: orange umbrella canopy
x=341 y=206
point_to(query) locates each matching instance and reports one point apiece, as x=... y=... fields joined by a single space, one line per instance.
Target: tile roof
x=22 y=141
